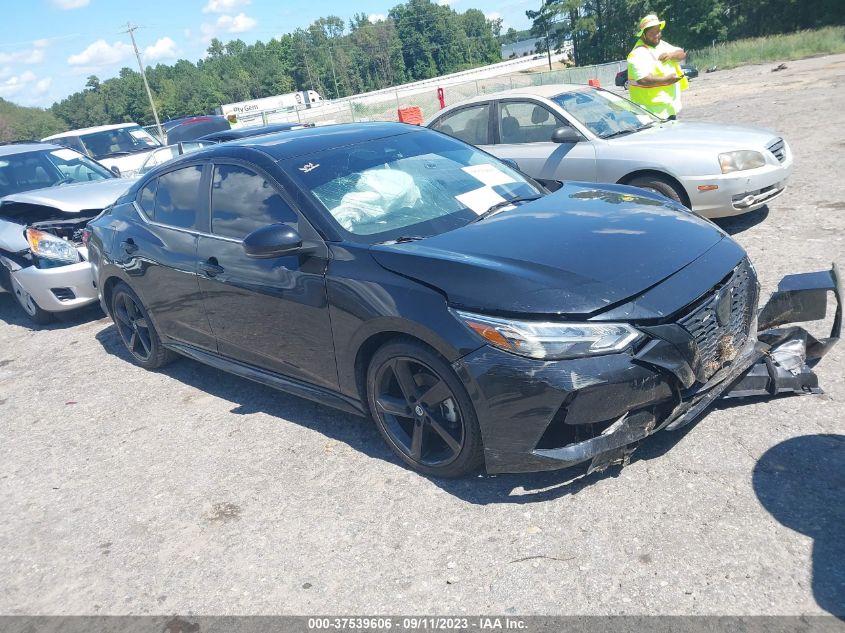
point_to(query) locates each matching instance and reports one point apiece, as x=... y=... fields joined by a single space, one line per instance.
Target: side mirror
x=115 y=170
x=566 y=134
x=273 y=240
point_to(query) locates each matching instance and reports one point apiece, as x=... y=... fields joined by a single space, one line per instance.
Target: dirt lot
x=191 y=491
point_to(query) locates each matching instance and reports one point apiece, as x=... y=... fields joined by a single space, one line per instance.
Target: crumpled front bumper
x=524 y=405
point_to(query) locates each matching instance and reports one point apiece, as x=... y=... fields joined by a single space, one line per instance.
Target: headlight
x=48 y=246
x=741 y=160
x=550 y=341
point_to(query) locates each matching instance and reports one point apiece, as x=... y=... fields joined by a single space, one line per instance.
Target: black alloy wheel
x=422 y=410
x=137 y=330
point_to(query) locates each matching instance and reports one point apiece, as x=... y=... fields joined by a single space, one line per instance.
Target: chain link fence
x=383 y=105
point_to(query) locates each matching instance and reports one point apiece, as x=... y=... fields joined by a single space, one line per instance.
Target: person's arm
x=672 y=52
x=658 y=80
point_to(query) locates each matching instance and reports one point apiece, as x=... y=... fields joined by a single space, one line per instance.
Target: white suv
x=124 y=146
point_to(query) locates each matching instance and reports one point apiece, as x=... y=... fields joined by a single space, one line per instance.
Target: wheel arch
x=655 y=173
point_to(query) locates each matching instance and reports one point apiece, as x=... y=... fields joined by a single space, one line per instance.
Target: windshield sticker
x=65 y=154
x=644 y=119
x=488 y=174
x=613 y=97
x=308 y=167
x=139 y=134
x=479 y=200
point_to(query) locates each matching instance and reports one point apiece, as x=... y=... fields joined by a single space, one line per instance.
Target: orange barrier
x=594 y=83
x=412 y=115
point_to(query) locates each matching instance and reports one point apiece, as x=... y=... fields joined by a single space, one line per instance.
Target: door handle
x=129 y=246
x=211 y=267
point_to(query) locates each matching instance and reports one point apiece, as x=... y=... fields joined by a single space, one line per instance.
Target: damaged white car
x=49 y=194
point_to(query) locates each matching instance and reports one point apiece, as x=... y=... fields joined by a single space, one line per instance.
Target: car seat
x=511 y=130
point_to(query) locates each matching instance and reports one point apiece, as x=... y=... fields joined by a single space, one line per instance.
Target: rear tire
x=659 y=185
x=137 y=330
x=423 y=411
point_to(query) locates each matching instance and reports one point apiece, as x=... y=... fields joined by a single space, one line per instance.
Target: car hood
x=128 y=164
x=75 y=197
x=695 y=135
x=577 y=251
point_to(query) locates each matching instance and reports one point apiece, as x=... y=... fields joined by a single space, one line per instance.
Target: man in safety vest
x=655 y=78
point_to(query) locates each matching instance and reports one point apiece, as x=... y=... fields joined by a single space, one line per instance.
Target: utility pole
x=131 y=30
x=334 y=74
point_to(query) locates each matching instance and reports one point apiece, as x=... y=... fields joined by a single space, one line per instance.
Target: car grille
x=777 y=148
x=721 y=329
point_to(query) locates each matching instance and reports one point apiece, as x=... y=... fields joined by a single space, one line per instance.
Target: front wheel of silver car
x=30 y=307
x=423 y=411
x=658 y=185
x=137 y=330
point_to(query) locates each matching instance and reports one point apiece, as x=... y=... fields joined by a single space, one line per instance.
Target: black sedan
x=392 y=271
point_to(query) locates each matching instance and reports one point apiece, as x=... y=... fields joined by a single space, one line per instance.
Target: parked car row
x=478 y=315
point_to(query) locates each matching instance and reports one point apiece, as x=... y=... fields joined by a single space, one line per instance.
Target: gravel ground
x=192 y=491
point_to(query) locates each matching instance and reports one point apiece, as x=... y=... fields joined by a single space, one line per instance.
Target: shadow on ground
x=360 y=433
x=740 y=223
x=801 y=482
x=13 y=314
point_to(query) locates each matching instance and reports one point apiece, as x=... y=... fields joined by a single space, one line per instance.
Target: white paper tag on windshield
x=139 y=134
x=644 y=119
x=479 y=200
x=65 y=154
x=488 y=174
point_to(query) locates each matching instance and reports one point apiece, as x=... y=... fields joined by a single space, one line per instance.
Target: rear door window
x=242 y=201
x=177 y=199
x=470 y=124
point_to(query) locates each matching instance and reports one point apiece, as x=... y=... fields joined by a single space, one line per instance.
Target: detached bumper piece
x=779 y=361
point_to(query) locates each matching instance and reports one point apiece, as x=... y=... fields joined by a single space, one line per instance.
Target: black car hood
x=577 y=251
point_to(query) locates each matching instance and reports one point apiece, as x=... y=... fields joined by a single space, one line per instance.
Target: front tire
x=659 y=185
x=27 y=303
x=423 y=411
x=137 y=330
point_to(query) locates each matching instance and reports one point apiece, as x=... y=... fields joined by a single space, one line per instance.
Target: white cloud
x=376 y=17
x=164 y=48
x=100 y=54
x=224 y=6
x=42 y=86
x=71 y=4
x=34 y=55
x=16 y=84
x=228 y=24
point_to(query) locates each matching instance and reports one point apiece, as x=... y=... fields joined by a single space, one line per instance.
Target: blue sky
x=49 y=47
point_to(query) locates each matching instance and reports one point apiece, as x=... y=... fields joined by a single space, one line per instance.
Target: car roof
x=20 y=148
x=90 y=130
x=244 y=132
x=546 y=91
x=282 y=145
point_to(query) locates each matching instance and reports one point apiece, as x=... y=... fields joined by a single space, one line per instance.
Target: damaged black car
x=478 y=317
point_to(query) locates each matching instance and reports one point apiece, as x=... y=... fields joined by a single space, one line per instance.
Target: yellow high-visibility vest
x=661 y=99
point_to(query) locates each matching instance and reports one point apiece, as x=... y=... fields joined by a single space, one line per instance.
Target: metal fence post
x=298 y=117
x=477 y=89
x=351 y=110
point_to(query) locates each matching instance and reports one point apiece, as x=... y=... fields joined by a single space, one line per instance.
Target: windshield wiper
x=621 y=133
x=402 y=239
x=504 y=203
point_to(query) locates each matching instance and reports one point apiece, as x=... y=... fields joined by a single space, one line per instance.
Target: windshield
x=36 y=170
x=412 y=185
x=124 y=140
x=605 y=113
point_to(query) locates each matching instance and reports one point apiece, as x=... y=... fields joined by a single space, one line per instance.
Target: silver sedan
x=575 y=132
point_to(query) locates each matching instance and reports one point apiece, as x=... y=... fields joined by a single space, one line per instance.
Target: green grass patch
x=825 y=41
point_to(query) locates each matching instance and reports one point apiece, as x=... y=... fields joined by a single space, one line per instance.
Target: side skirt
x=271 y=379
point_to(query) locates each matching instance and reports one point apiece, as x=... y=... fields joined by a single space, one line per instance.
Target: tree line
x=418 y=40
x=603 y=30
